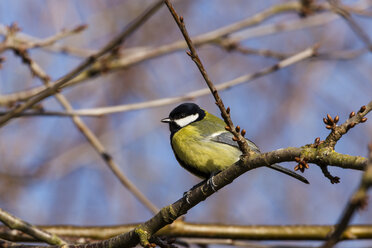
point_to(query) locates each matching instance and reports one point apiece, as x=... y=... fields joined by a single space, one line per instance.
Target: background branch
x=35 y=232
x=181 y=229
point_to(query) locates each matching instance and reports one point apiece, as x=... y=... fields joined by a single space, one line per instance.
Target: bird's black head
x=183 y=115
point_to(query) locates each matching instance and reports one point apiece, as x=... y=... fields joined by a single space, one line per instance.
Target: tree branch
x=338 y=131
x=35 y=232
x=181 y=229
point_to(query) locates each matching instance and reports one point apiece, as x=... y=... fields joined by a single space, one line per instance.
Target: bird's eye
x=183 y=115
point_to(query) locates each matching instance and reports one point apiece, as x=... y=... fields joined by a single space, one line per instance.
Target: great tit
x=203 y=146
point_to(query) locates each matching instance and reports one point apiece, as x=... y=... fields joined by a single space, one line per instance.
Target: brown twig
x=338 y=131
x=49 y=43
x=327 y=174
x=332 y=55
x=57 y=37
x=112 y=45
x=344 y=13
x=233 y=46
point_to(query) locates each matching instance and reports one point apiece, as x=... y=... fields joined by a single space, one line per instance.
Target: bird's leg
x=187 y=193
x=210 y=181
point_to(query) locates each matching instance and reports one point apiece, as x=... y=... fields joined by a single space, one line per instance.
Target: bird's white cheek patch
x=186 y=120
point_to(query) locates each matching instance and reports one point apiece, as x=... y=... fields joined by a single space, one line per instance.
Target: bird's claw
x=211 y=182
x=186 y=195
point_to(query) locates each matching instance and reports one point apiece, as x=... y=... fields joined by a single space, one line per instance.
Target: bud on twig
x=361 y=110
x=352 y=114
x=243 y=132
x=228 y=110
x=330 y=120
x=336 y=119
x=237 y=128
x=351 y=125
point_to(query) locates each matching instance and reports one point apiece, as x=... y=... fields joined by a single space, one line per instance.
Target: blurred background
x=50 y=174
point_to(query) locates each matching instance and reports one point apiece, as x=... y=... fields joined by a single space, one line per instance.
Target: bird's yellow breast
x=197 y=153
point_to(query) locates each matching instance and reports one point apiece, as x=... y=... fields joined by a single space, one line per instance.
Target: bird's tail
x=288 y=172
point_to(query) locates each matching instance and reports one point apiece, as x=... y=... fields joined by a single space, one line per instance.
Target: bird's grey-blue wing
x=226 y=138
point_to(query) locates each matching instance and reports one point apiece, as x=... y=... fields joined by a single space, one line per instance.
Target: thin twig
x=37 y=233
x=57 y=37
x=354 y=119
x=332 y=55
x=292 y=25
x=250 y=51
x=344 y=13
x=113 y=44
x=49 y=43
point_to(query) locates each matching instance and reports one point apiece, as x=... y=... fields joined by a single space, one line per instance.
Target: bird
x=203 y=146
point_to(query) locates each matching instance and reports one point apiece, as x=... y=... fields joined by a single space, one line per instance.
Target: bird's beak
x=166 y=120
